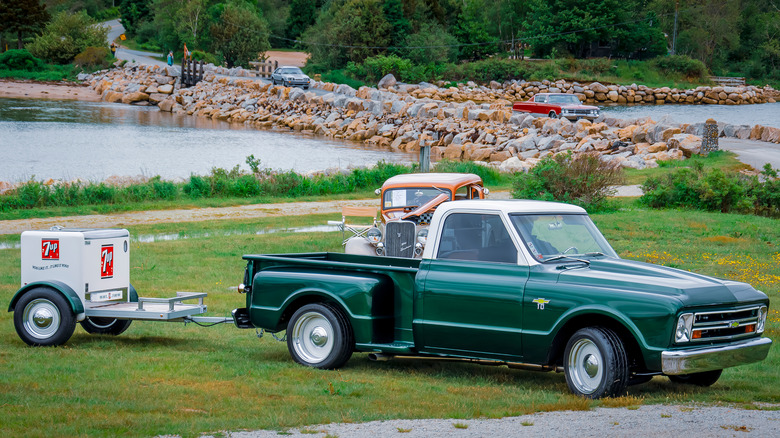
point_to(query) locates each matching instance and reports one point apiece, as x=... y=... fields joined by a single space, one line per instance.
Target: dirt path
x=46 y=90
x=190 y=215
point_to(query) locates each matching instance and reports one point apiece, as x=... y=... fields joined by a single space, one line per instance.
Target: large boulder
x=689 y=144
x=387 y=81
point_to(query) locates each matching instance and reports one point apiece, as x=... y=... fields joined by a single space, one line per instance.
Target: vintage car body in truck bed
x=527 y=283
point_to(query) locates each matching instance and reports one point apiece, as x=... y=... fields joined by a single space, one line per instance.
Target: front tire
x=105 y=326
x=596 y=363
x=43 y=317
x=552 y=115
x=707 y=378
x=320 y=336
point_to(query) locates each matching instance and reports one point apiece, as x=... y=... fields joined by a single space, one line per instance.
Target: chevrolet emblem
x=540 y=302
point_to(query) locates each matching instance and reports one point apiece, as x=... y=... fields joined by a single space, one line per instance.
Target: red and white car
x=556 y=105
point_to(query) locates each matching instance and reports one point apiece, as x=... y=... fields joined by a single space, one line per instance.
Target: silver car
x=290 y=77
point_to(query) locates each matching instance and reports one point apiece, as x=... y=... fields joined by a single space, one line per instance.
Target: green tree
x=67 y=35
x=134 y=13
x=22 y=17
x=432 y=43
x=241 y=34
x=400 y=27
x=348 y=30
x=303 y=13
x=276 y=14
x=472 y=31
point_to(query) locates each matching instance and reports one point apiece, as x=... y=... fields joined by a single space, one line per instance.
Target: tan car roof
x=441 y=180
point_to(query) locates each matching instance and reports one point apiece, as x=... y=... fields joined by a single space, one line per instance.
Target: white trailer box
x=95 y=263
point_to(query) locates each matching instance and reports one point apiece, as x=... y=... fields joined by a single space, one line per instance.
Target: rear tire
x=707 y=378
x=105 y=326
x=320 y=336
x=43 y=317
x=596 y=363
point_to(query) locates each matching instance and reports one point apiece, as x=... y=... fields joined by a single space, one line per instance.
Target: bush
x=94 y=58
x=489 y=175
x=581 y=179
x=688 y=67
x=16 y=59
x=67 y=35
x=208 y=58
x=715 y=191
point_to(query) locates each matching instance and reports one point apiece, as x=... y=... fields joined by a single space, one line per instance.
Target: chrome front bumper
x=714 y=358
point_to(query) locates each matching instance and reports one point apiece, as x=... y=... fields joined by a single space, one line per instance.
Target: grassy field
x=168 y=378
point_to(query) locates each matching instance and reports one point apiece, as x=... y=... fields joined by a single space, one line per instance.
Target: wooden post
x=425 y=157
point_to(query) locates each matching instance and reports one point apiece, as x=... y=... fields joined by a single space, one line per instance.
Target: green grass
x=172 y=379
x=51 y=73
x=723 y=160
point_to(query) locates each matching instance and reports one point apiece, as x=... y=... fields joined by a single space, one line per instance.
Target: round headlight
x=374 y=235
x=422 y=236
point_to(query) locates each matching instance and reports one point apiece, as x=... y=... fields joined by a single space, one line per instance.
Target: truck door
x=473 y=290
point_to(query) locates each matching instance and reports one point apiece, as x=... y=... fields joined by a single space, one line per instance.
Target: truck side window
x=480 y=237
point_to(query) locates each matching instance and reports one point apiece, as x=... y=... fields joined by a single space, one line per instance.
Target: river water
x=94 y=140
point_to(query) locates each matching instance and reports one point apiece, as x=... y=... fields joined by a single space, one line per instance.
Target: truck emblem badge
x=50 y=249
x=540 y=302
x=107 y=261
x=734 y=324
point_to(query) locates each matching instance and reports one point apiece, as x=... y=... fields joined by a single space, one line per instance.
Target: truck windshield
x=567 y=99
x=411 y=196
x=548 y=236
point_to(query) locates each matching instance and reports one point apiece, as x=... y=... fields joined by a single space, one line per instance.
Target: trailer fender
x=70 y=295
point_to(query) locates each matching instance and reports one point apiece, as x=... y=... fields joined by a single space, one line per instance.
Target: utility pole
x=674 y=34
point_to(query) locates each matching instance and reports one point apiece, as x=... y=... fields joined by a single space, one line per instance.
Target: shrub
x=94 y=58
x=688 y=67
x=16 y=59
x=207 y=58
x=581 y=179
x=489 y=175
x=67 y=35
x=715 y=191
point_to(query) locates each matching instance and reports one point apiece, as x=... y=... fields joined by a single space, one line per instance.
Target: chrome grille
x=724 y=324
x=399 y=239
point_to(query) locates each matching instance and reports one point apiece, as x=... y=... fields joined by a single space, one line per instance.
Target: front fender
x=70 y=295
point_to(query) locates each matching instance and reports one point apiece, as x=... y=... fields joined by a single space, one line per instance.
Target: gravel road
x=655 y=420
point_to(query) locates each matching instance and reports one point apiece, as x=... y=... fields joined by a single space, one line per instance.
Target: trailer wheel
x=596 y=363
x=105 y=326
x=43 y=317
x=320 y=336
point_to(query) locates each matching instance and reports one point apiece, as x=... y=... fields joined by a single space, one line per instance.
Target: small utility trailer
x=72 y=275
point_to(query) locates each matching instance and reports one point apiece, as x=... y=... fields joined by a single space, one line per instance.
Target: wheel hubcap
x=41 y=318
x=584 y=366
x=319 y=336
x=312 y=337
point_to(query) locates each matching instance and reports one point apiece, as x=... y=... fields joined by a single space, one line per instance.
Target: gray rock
x=387 y=81
x=297 y=94
x=346 y=90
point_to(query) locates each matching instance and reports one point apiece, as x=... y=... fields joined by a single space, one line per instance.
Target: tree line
x=729 y=36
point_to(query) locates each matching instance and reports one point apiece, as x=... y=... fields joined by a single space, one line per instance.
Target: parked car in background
x=557 y=105
x=290 y=76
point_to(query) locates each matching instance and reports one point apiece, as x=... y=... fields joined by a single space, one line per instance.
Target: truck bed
x=376 y=292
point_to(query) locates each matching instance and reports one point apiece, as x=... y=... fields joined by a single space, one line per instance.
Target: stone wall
x=405 y=120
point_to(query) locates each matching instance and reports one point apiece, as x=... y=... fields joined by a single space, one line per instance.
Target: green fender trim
x=64 y=289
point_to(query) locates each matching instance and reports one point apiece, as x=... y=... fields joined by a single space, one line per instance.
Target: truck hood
x=690 y=288
x=579 y=107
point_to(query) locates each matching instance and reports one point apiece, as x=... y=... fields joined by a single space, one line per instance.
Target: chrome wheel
x=596 y=363
x=41 y=318
x=586 y=366
x=320 y=335
x=312 y=337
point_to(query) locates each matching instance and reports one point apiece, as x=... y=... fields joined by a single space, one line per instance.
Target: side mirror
x=378 y=192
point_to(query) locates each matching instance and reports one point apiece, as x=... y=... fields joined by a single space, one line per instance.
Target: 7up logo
x=107 y=261
x=50 y=249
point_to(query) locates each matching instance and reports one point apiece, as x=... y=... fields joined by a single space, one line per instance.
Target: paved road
x=127 y=54
x=751 y=152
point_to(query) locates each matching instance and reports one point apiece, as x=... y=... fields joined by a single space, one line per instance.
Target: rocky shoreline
x=405 y=117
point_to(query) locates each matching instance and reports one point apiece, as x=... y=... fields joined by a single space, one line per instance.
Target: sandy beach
x=46 y=90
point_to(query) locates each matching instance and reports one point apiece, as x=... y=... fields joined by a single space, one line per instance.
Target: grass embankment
x=167 y=378
x=219 y=189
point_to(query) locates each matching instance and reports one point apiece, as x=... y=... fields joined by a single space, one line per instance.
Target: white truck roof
x=504 y=207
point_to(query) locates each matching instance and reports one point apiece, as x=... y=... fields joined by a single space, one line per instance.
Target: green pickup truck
x=533 y=285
